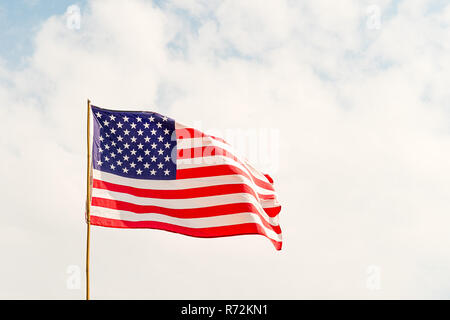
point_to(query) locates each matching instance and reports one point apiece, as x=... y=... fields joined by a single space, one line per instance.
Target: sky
x=356 y=92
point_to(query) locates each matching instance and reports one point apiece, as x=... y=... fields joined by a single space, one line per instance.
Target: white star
x=138 y=119
x=125 y=157
x=166 y=172
x=100 y=150
x=119 y=150
x=164 y=118
x=146 y=125
x=126 y=132
x=139 y=171
x=140 y=146
x=99 y=115
x=133 y=152
x=153 y=131
x=113 y=155
x=151 y=119
x=106 y=147
x=133 y=125
x=153 y=145
x=112 y=167
x=167 y=158
x=106 y=159
x=101 y=138
x=153 y=172
x=125 y=170
x=153 y=159
x=140 y=132
x=160 y=139
x=126 y=146
x=119 y=125
x=160 y=152
x=146 y=165
x=159 y=125
x=125 y=119
x=99 y=162
x=112 y=117
x=113 y=143
x=119 y=163
x=106 y=122
x=132 y=164
x=113 y=131
x=160 y=165
x=147 y=152
x=133 y=139
x=139 y=159
x=119 y=138
x=167 y=145
x=166 y=131
x=147 y=139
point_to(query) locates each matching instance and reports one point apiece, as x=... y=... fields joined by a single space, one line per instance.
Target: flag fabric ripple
x=148 y=171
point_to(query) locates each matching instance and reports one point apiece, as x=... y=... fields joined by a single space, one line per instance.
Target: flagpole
x=88 y=196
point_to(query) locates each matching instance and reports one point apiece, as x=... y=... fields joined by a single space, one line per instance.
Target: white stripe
x=180 y=125
x=185 y=203
x=256 y=172
x=178 y=184
x=269 y=203
x=209 y=222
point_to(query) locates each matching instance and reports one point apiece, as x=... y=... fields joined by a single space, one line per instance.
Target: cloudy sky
x=357 y=92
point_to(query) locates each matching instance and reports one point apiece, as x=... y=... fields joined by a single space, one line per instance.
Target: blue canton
x=139 y=145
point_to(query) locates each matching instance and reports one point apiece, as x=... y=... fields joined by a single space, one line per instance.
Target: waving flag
x=149 y=171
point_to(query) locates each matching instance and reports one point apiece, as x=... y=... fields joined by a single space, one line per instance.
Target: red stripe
x=181 y=193
x=239 y=229
x=219 y=170
x=268 y=178
x=190 y=133
x=203 y=212
x=272 y=212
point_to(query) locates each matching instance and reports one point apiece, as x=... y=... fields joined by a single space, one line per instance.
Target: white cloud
x=363 y=116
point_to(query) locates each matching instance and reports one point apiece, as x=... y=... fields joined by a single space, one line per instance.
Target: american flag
x=149 y=171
